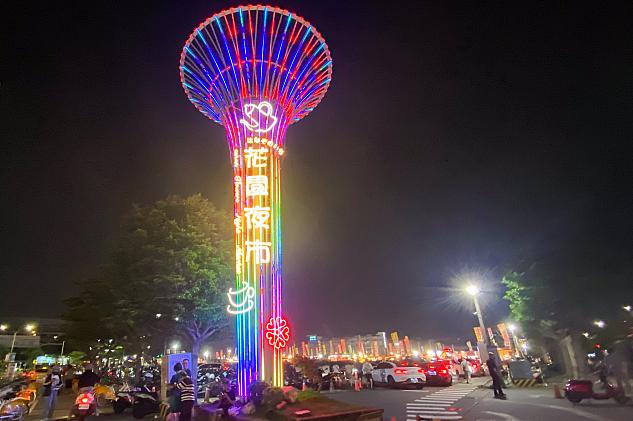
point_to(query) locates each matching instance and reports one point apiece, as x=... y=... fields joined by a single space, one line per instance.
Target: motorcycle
x=577 y=390
x=145 y=403
x=85 y=405
x=123 y=399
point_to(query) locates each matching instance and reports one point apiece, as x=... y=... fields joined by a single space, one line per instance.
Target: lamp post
x=30 y=328
x=515 y=341
x=473 y=291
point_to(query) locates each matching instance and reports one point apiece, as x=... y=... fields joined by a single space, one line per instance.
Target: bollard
x=557 y=392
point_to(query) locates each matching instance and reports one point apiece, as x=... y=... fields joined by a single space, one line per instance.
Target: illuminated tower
x=256 y=70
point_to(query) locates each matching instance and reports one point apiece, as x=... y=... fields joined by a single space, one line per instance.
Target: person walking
x=466 y=368
x=52 y=384
x=493 y=369
x=187 y=397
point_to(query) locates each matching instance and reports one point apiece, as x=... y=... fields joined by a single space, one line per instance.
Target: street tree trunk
x=199 y=332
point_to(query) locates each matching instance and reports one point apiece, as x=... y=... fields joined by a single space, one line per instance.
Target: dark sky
x=454 y=137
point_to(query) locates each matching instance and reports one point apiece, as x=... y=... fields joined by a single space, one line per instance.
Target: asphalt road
x=463 y=402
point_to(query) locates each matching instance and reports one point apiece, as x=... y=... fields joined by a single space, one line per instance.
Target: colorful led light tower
x=256 y=70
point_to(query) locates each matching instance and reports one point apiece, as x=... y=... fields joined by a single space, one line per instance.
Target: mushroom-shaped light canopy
x=255 y=53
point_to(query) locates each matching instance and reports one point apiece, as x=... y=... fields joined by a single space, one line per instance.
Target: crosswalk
x=439 y=405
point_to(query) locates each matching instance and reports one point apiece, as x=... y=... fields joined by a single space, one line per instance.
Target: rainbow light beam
x=256 y=70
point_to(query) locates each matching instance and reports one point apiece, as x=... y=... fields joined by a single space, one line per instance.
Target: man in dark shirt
x=493 y=369
x=88 y=378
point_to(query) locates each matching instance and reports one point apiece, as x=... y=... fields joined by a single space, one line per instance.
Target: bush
x=256 y=392
x=272 y=397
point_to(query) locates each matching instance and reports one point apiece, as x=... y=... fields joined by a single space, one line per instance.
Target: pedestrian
x=174 y=392
x=52 y=384
x=466 y=368
x=367 y=370
x=493 y=369
x=187 y=397
x=88 y=379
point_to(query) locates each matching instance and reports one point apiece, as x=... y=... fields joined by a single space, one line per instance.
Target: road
x=474 y=403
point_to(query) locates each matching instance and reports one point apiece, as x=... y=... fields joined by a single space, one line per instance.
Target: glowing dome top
x=255 y=52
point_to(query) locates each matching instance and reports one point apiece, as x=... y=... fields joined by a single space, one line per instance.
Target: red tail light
x=443 y=371
x=399 y=371
x=421 y=371
x=85 y=400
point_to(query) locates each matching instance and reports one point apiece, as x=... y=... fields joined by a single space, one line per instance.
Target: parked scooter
x=124 y=398
x=145 y=403
x=577 y=390
x=85 y=405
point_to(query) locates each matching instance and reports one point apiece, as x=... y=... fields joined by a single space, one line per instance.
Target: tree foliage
x=518 y=295
x=173 y=259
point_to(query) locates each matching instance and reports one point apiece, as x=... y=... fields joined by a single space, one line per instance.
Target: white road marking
x=435 y=406
x=433 y=412
x=429 y=404
x=502 y=415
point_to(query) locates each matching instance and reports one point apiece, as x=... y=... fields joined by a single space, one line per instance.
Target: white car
x=392 y=374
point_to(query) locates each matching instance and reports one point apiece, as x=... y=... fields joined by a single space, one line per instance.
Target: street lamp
x=473 y=291
x=600 y=323
x=3 y=327
x=627 y=308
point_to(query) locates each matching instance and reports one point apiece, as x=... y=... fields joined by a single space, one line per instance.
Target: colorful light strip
x=256 y=70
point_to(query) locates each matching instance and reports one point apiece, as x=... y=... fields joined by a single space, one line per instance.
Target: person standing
x=52 y=384
x=174 y=391
x=187 y=397
x=493 y=369
x=466 y=368
x=367 y=369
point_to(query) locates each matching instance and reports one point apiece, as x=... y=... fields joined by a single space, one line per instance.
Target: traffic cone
x=557 y=392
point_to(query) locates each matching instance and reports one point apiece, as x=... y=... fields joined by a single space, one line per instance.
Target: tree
x=173 y=259
x=546 y=319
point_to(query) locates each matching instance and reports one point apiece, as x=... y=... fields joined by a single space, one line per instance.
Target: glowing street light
x=585 y=334
x=175 y=346
x=600 y=323
x=473 y=290
x=627 y=308
x=3 y=327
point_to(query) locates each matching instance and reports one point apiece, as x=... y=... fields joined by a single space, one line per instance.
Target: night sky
x=455 y=137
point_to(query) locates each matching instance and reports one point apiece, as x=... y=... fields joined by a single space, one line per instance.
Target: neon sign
x=247 y=304
x=277 y=332
x=254 y=113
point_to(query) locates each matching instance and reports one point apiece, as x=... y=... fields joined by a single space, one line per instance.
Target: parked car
x=395 y=374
